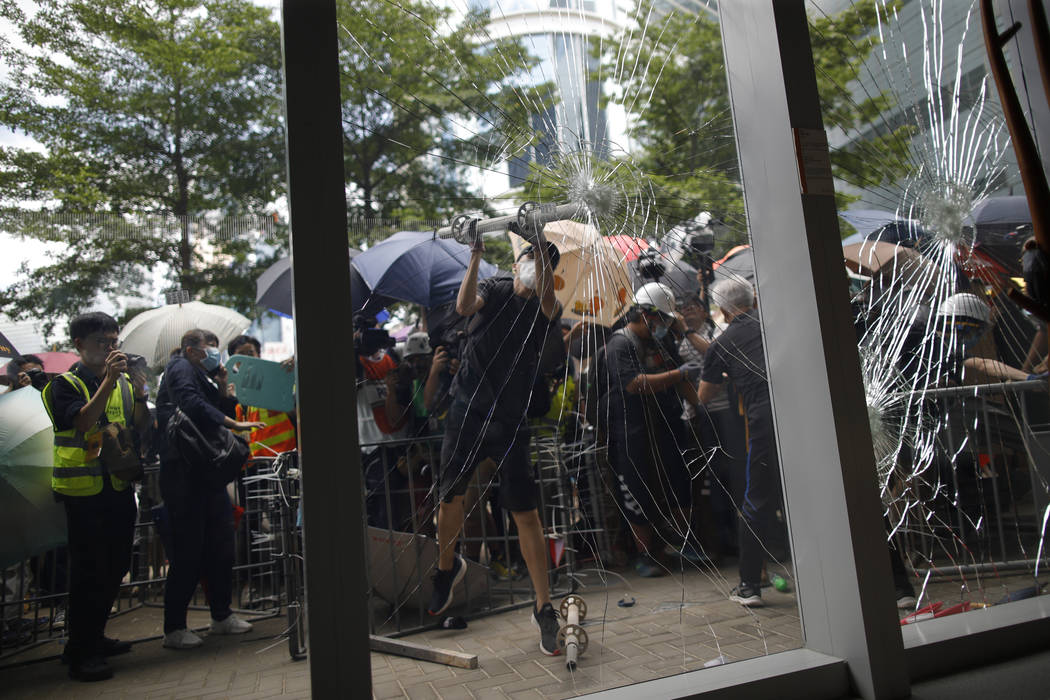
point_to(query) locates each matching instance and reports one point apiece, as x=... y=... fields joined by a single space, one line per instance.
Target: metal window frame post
x=333 y=530
x=842 y=564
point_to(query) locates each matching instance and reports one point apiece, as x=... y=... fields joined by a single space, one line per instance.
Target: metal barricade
x=992 y=521
x=33 y=593
x=401 y=507
x=401 y=510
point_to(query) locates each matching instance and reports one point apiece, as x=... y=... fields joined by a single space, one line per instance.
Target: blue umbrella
x=273 y=289
x=417 y=267
x=865 y=221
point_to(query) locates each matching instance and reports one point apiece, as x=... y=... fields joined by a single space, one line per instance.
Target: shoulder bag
x=219 y=456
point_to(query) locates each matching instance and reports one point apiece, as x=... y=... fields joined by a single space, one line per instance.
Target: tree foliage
x=670 y=76
x=143 y=107
x=423 y=99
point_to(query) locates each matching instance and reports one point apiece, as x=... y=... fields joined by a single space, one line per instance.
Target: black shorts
x=469 y=440
x=651 y=469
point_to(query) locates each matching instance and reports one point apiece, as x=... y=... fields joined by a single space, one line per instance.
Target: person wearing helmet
x=960 y=325
x=739 y=355
x=639 y=378
x=412 y=374
x=491 y=391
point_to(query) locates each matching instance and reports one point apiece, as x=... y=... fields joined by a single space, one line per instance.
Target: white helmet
x=965 y=305
x=654 y=296
x=417 y=344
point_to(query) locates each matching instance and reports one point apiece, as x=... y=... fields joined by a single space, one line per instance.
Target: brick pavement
x=676 y=624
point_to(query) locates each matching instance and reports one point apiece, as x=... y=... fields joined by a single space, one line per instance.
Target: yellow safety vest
x=78 y=470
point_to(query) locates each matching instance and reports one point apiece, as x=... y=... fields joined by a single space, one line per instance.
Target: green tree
x=671 y=82
x=423 y=101
x=165 y=108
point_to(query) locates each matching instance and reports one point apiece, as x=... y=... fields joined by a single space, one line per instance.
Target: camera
x=650 y=266
x=453 y=342
x=137 y=363
x=374 y=339
x=37 y=378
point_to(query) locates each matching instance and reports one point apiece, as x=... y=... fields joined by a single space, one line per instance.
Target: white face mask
x=527 y=273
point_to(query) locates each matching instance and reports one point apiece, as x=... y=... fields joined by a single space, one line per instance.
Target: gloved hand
x=691 y=371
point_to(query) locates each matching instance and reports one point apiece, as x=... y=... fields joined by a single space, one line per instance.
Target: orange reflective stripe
x=277 y=436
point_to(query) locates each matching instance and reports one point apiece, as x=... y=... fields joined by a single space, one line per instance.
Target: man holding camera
x=487 y=418
x=26 y=370
x=100 y=507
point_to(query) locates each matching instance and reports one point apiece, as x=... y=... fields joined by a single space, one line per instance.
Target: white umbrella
x=155 y=333
x=591 y=282
x=31 y=521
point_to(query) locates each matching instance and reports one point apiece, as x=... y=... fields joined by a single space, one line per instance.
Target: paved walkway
x=676 y=624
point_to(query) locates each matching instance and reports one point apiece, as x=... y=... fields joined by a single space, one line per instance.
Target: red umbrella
x=629 y=246
x=57 y=362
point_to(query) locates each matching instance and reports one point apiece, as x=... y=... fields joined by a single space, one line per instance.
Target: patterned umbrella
x=592 y=281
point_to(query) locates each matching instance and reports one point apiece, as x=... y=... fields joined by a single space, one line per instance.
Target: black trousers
x=100 y=535
x=761 y=496
x=201 y=544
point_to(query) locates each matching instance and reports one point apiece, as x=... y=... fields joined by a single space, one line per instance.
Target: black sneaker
x=93 y=668
x=748 y=595
x=906 y=598
x=647 y=567
x=546 y=621
x=444 y=583
x=114 y=647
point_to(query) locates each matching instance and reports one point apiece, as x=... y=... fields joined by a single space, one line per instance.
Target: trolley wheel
x=580 y=603
x=581 y=637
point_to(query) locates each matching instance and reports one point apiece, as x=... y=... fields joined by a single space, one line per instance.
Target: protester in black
x=487 y=418
x=199 y=515
x=640 y=413
x=738 y=354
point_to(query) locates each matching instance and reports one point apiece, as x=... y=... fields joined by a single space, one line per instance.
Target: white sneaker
x=231 y=625
x=182 y=639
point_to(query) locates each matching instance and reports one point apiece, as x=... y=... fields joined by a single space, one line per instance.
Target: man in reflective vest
x=100 y=508
x=279 y=434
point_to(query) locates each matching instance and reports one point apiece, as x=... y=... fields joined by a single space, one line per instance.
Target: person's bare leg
x=530 y=534
x=450 y=520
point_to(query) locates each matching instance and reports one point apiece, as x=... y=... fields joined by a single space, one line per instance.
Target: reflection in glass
x=951 y=365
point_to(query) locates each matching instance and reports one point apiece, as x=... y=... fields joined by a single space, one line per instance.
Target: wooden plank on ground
x=400 y=647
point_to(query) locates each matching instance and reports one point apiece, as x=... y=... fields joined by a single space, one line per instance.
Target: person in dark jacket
x=199 y=514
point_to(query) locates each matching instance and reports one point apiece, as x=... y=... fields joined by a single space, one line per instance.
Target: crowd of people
x=679 y=403
x=661 y=417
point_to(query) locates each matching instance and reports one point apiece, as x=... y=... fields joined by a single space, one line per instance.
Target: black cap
x=552 y=253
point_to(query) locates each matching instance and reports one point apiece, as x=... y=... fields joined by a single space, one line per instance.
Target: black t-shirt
x=66 y=399
x=739 y=354
x=499 y=361
x=625 y=412
x=927 y=360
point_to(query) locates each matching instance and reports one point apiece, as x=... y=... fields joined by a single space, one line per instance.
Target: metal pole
x=333 y=530
x=995 y=479
x=955 y=475
x=948 y=573
x=533 y=219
